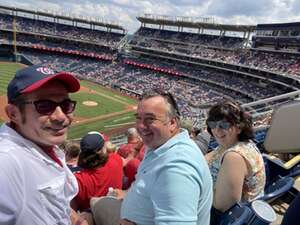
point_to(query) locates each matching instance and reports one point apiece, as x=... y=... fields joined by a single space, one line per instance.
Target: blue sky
x=124 y=12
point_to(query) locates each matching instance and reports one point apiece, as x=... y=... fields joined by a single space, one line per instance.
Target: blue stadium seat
x=295 y=171
x=237 y=215
x=257 y=212
x=277 y=188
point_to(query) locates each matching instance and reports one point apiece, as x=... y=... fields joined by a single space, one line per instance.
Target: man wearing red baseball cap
x=36 y=184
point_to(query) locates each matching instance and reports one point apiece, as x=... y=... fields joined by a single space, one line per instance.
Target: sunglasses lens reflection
x=218 y=124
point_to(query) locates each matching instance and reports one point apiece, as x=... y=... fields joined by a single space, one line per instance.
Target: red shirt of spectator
x=100 y=171
x=130 y=171
x=134 y=145
x=95 y=183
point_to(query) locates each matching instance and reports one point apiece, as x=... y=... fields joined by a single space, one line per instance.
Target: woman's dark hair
x=92 y=160
x=235 y=115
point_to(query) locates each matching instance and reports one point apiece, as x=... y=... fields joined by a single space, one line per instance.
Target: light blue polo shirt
x=173 y=186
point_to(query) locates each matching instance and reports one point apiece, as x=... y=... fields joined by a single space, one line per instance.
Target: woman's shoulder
x=244 y=147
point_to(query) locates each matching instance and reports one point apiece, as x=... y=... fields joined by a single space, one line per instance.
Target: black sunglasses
x=47 y=107
x=222 y=124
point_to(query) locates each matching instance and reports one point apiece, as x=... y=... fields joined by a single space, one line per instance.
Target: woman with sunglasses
x=236 y=166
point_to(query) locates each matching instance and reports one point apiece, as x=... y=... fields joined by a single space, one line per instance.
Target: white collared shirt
x=34 y=189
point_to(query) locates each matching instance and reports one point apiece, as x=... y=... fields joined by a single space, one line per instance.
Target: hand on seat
x=119 y=194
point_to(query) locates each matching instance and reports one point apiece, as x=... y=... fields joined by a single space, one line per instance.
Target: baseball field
x=98 y=108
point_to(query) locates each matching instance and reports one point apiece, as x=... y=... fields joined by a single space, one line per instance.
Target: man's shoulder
x=9 y=139
x=187 y=146
x=10 y=161
x=7 y=145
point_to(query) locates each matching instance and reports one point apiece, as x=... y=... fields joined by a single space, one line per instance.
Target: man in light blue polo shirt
x=173 y=184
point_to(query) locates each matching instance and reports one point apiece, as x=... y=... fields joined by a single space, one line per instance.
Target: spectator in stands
x=132 y=153
x=188 y=125
x=173 y=184
x=36 y=184
x=201 y=138
x=72 y=150
x=100 y=170
x=134 y=143
x=236 y=166
x=110 y=147
x=130 y=170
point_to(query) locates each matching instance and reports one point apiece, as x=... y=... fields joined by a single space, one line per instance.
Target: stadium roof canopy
x=14 y=11
x=189 y=22
x=283 y=26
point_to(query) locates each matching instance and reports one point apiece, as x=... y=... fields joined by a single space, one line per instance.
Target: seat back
x=283 y=134
x=106 y=210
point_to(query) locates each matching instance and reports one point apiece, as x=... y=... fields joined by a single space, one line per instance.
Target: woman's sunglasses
x=222 y=124
x=47 y=107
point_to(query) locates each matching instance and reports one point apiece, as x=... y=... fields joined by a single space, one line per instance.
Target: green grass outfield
x=108 y=102
x=7 y=70
x=103 y=125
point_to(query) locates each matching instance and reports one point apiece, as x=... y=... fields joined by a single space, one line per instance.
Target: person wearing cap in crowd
x=173 y=184
x=36 y=184
x=100 y=170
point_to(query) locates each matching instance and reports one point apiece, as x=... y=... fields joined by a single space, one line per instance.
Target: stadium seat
x=283 y=134
x=295 y=171
x=106 y=210
x=237 y=215
x=257 y=212
x=277 y=188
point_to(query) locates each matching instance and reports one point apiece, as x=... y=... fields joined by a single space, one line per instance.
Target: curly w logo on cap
x=45 y=70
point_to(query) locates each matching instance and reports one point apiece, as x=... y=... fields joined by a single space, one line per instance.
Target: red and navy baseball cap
x=32 y=78
x=92 y=142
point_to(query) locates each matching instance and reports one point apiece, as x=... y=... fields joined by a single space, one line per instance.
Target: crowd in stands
x=28 y=25
x=212 y=47
x=192 y=86
x=191 y=38
x=195 y=86
x=224 y=49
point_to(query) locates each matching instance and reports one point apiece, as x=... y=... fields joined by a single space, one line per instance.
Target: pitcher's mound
x=90 y=103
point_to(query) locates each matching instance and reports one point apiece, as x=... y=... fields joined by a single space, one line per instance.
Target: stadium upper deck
x=214 y=65
x=62 y=27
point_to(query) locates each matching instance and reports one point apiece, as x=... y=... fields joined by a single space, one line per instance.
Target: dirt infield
x=80 y=120
x=3 y=102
